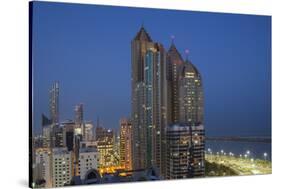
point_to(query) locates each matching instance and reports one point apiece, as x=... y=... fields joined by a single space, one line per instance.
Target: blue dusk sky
x=87 y=48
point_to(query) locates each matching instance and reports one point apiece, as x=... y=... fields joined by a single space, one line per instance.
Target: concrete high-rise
x=61 y=167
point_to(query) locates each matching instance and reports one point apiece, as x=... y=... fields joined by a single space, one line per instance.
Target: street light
x=265 y=155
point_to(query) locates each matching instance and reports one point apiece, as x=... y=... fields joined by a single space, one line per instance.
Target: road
x=242 y=166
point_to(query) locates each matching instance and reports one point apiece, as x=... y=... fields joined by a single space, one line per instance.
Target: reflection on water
x=257 y=150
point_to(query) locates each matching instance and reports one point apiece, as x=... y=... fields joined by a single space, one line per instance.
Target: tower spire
x=186 y=52
x=142 y=35
x=172 y=39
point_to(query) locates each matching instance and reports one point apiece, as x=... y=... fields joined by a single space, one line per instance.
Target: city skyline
x=74 y=81
x=125 y=104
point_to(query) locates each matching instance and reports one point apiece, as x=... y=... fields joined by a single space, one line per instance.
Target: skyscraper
x=126 y=144
x=166 y=91
x=54 y=103
x=174 y=63
x=105 y=143
x=79 y=114
x=186 y=134
x=190 y=95
x=57 y=135
x=149 y=101
x=185 y=151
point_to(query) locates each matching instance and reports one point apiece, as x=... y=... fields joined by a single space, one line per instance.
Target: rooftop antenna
x=173 y=38
x=186 y=52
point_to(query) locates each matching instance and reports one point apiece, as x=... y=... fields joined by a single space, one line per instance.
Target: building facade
x=126 y=144
x=186 y=136
x=166 y=90
x=43 y=166
x=61 y=167
x=190 y=95
x=185 y=151
x=88 y=159
x=174 y=63
x=148 y=101
x=105 y=144
x=54 y=103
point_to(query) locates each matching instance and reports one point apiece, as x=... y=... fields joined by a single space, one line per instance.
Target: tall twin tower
x=166 y=94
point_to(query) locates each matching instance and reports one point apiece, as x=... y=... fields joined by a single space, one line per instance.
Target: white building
x=88 y=159
x=43 y=165
x=89 y=131
x=61 y=167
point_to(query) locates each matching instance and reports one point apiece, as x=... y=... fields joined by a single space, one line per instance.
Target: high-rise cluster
x=63 y=151
x=167 y=110
x=164 y=138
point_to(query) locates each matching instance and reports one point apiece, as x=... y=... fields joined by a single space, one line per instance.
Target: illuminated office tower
x=78 y=138
x=185 y=151
x=61 y=167
x=116 y=146
x=148 y=77
x=126 y=144
x=54 y=103
x=174 y=63
x=186 y=134
x=105 y=138
x=88 y=159
x=191 y=95
x=79 y=118
x=191 y=112
x=43 y=166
